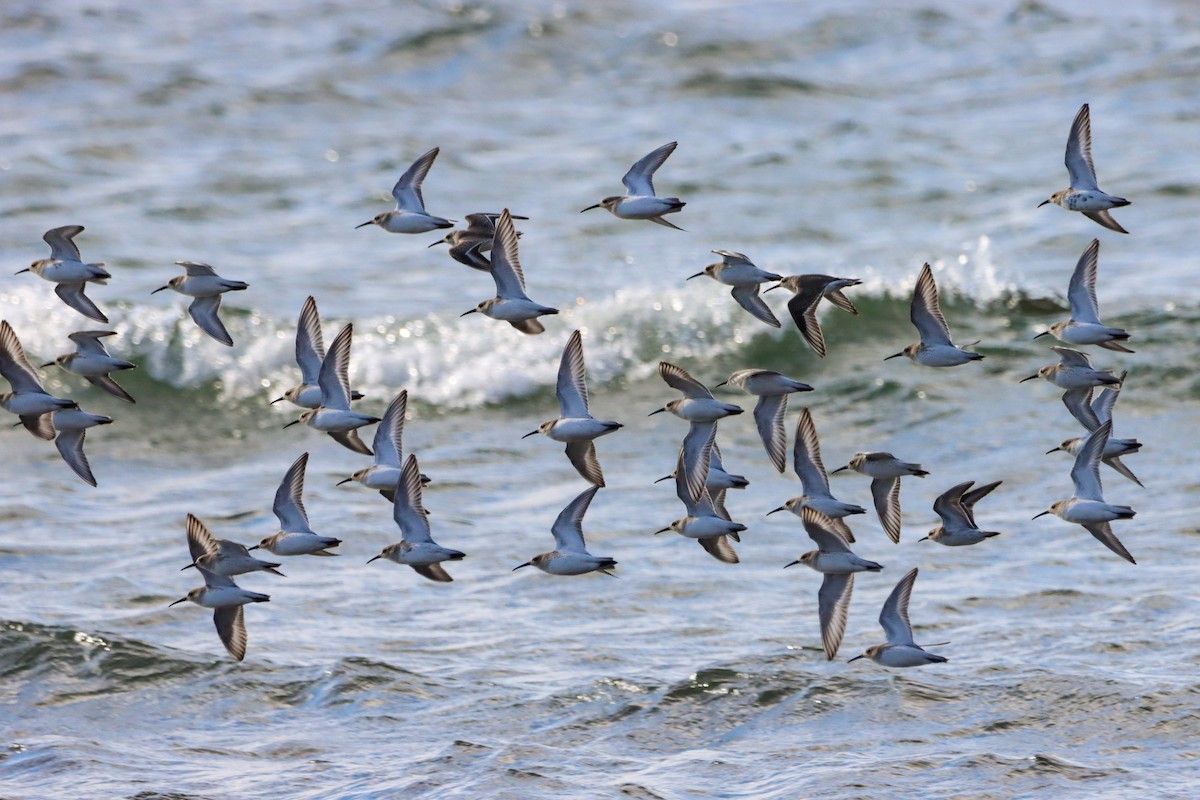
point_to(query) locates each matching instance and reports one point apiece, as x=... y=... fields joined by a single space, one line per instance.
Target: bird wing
x=1081 y=292
x=1086 y=471
x=70 y=447
x=204 y=311
x=969 y=499
x=640 y=178
x=806 y=457
x=351 y=441
x=679 y=379
x=231 y=627
x=768 y=416
x=196 y=269
x=1072 y=358
x=61 y=244
x=334 y=375
x=1106 y=219
x=289 y=505
x=949 y=506
x=408 y=509
x=310 y=345
x=582 y=456
x=695 y=457
x=14 y=365
x=1079 y=152
x=214 y=580
x=506 y=264
x=926 y=311
x=389 y=436
x=894 y=616
x=734 y=259
x=568 y=527
x=886 y=494
x=821 y=530
x=434 y=572
x=1103 y=532
x=89 y=341
x=719 y=548
x=1078 y=402
x=40 y=425
x=833 y=603
x=72 y=294
x=1102 y=406
x=748 y=298
x=109 y=385
x=572 y=387
x=803 y=308
x=200 y=540
x=407 y=190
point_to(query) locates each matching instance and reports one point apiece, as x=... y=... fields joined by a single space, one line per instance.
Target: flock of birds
x=489 y=243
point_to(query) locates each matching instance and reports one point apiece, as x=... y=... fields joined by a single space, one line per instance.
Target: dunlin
x=410 y=216
x=935 y=348
x=66 y=269
x=1084 y=194
x=575 y=425
x=511 y=304
x=1087 y=506
x=416 y=547
x=639 y=200
x=885 y=471
x=807 y=293
x=900 y=650
x=570 y=555
x=956 y=507
x=735 y=270
x=772 y=390
x=204 y=284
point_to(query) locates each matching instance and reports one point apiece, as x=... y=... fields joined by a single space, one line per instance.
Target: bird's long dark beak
x=722 y=383
x=664 y=530
x=923 y=538
x=1044 y=513
x=365 y=224
x=472 y=311
x=794 y=563
x=531 y=433
x=345 y=480
x=889 y=358
x=255 y=547
x=781 y=508
x=1031 y=377
x=526 y=564
x=435 y=244
x=159 y=289
x=1043 y=333
x=290 y=424
x=660 y=480
x=177 y=602
x=18 y=272
x=652 y=413
x=189 y=566
x=47 y=364
x=697 y=275
x=839 y=469
x=856 y=658
x=1055 y=450
x=589 y=208
x=776 y=286
x=278 y=400
x=376 y=557
x=1044 y=202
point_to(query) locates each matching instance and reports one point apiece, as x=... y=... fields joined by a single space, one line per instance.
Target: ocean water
x=849 y=138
